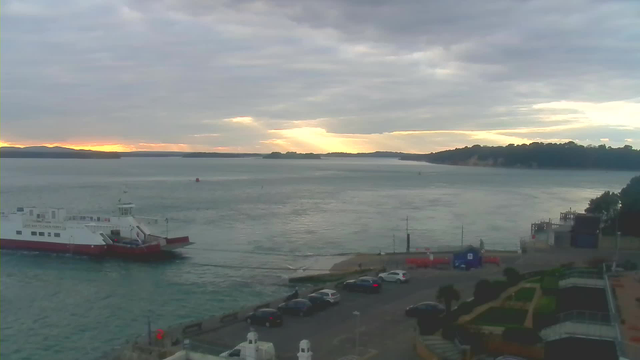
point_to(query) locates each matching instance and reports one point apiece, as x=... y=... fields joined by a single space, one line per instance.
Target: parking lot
x=384 y=331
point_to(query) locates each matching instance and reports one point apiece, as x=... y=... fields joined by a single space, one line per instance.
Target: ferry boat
x=52 y=230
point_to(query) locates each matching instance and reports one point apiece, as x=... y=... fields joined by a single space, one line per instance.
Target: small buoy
x=197 y=179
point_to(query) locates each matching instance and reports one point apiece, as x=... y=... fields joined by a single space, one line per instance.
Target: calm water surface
x=253 y=212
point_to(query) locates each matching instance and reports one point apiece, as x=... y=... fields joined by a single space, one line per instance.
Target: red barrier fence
x=426 y=262
x=422 y=262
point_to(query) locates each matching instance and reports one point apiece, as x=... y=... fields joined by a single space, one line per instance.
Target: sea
x=245 y=214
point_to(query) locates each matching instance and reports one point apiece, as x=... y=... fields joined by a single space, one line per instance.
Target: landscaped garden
x=500 y=317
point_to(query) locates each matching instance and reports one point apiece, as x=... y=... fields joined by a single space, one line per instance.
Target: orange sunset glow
x=95 y=147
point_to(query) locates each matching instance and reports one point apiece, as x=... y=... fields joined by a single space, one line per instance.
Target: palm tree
x=448 y=294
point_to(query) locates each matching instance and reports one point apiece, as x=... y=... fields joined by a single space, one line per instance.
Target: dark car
x=425 y=309
x=319 y=302
x=266 y=317
x=300 y=307
x=363 y=284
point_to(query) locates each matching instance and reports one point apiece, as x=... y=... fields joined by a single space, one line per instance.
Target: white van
x=266 y=351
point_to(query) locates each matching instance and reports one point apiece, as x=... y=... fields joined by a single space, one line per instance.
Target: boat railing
x=148 y=220
x=87 y=218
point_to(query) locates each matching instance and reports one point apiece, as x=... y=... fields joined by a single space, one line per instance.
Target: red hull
x=93 y=250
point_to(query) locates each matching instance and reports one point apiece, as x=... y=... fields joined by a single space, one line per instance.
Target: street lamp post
x=357 y=314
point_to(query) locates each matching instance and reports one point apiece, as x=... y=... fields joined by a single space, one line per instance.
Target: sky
x=318 y=76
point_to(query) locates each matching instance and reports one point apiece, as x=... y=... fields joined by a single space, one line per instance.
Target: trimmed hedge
x=521 y=335
x=546 y=305
x=497 y=316
x=524 y=294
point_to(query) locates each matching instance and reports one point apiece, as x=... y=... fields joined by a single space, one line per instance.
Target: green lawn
x=524 y=294
x=503 y=317
x=533 y=281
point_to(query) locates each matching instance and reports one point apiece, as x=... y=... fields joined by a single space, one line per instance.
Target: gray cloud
x=163 y=71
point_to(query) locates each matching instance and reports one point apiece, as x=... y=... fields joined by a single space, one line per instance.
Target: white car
x=331 y=295
x=399 y=276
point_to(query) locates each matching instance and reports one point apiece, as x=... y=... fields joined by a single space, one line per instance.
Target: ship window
x=34 y=233
x=18 y=232
x=56 y=234
x=41 y=233
x=49 y=234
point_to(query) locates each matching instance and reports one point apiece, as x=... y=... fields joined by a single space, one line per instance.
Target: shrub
x=534 y=281
x=448 y=294
x=546 y=305
x=629 y=265
x=484 y=292
x=513 y=276
x=462 y=333
x=450 y=331
x=554 y=272
x=499 y=286
x=521 y=335
x=428 y=325
x=597 y=261
x=549 y=285
x=465 y=307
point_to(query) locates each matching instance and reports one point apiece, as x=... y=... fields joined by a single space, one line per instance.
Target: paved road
x=383 y=327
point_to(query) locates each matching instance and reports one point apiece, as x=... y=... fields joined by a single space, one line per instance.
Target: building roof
x=468 y=249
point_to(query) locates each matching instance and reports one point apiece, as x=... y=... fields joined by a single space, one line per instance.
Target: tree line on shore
x=567 y=155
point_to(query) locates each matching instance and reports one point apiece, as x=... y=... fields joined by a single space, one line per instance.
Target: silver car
x=331 y=295
x=399 y=276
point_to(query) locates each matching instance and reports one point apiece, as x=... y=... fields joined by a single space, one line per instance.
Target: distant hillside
x=152 y=154
x=43 y=152
x=218 y=155
x=377 y=154
x=538 y=155
x=292 y=155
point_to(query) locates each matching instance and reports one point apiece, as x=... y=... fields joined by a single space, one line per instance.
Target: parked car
x=299 y=307
x=425 y=309
x=319 y=302
x=330 y=295
x=266 y=317
x=363 y=284
x=399 y=276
